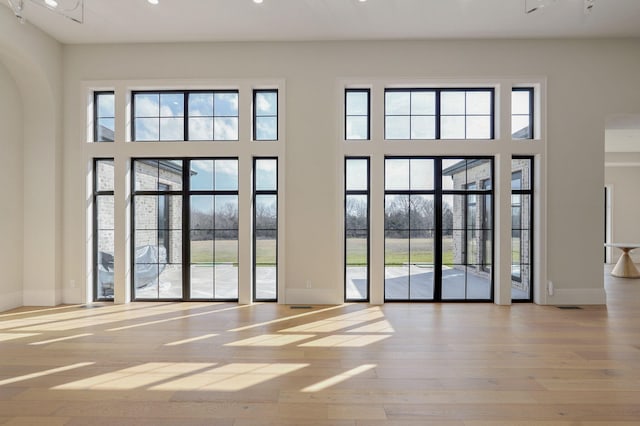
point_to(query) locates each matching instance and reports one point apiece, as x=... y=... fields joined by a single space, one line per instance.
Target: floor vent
x=569 y=307
x=91 y=306
x=300 y=307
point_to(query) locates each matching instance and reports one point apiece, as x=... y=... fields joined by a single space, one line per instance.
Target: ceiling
x=127 y=21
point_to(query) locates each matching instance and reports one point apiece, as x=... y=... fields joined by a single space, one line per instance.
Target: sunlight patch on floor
x=339 y=378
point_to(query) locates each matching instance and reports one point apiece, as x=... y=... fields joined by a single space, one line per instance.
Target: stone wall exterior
x=478 y=176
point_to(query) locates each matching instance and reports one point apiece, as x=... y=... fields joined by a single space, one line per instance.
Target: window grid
x=169 y=274
x=353 y=118
x=103 y=116
x=215 y=231
x=194 y=125
x=521 y=114
x=409 y=199
x=472 y=233
x=439 y=130
x=265 y=115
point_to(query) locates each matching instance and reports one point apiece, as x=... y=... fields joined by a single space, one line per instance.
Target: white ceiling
x=124 y=21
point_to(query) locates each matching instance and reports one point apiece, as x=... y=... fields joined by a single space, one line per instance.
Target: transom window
x=188 y=116
x=439 y=113
x=357 y=114
x=103 y=116
x=522 y=113
x=265 y=115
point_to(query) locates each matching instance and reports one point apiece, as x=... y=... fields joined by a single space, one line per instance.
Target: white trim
x=123 y=150
x=578 y=296
x=500 y=147
x=629 y=164
x=312 y=296
x=11 y=300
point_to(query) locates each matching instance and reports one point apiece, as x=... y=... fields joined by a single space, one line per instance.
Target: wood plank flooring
x=352 y=365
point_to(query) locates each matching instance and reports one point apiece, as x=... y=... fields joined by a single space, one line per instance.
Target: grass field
x=397 y=251
x=226 y=251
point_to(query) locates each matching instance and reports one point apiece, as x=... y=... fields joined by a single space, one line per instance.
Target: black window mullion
x=185 y=121
x=186 y=229
x=437 y=267
x=438 y=113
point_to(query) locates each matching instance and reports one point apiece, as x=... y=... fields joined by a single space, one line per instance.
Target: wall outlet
x=308 y=283
x=550 y=288
x=73 y=284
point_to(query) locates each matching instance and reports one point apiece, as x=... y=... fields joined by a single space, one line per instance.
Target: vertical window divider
x=186 y=228
x=437 y=267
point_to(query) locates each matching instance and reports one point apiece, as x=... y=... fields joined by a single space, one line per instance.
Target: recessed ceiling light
x=51 y=3
x=257 y=1
x=154 y=1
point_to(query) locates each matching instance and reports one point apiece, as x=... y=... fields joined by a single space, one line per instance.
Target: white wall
x=623 y=179
x=11 y=174
x=34 y=60
x=587 y=80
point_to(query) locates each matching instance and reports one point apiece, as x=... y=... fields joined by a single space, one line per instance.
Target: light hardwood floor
x=353 y=365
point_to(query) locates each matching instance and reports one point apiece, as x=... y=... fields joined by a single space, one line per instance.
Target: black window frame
x=257 y=192
x=256 y=116
x=97 y=117
x=531 y=114
x=185 y=193
x=346 y=115
x=480 y=192
x=366 y=193
x=97 y=193
x=438 y=113
x=529 y=193
x=438 y=193
x=185 y=116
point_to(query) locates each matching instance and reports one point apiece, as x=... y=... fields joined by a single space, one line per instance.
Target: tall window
x=265 y=115
x=265 y=232
x=522 y=113
x=185 y=115
x=467 y=229
x=186 y=229
x=521 y=228
x=213 y=226
x=356 y=229
x=439 y=113
x=410 y=228
x=157 y=240
x=357 y=111
x=103 y=210
x=103 y=117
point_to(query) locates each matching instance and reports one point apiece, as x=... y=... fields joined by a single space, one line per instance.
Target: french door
x=438 y=229
x=185 y=229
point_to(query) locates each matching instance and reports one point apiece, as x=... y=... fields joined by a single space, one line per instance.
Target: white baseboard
x=10 y=300
x=310 y=296
x=578 y=296
x=39 y=298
